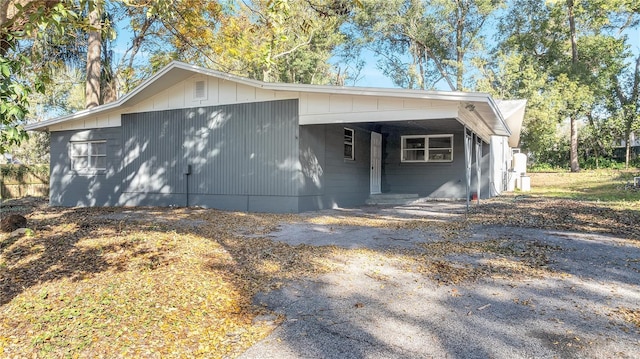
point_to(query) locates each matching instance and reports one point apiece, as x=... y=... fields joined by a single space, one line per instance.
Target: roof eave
x=473 y=97
x=496 y=110
x=44 y=125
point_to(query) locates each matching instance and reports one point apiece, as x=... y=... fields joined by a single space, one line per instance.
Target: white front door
x=376 y=163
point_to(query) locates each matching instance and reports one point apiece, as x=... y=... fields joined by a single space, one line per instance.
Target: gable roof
x=481 y=104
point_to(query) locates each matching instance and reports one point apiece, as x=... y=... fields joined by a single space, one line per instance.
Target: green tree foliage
x=43 y=41
x=624 y=104
x=569 y=58
x=422 y=43
x=37 y=25
x=561 y=55
x=270 y=40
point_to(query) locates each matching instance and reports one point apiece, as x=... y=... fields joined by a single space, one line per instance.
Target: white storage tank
x=519 y=164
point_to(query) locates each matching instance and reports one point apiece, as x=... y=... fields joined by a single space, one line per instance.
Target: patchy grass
x=611 y=186
x=589 y=201
x=163 y=282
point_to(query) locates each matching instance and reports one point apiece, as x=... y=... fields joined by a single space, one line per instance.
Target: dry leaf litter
x=176 y=282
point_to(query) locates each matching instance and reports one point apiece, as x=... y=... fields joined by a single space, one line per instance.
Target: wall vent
x=200 y=90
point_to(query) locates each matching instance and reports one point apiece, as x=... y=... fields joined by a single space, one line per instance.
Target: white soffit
x=176 y=71
x=513 y=113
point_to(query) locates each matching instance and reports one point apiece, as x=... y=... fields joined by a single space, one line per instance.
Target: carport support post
x=467 y=162
x=478 y=167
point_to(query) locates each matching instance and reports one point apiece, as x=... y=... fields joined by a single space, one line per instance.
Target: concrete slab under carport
x=353 y=236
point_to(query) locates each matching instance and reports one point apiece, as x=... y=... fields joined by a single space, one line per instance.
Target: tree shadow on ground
x=377 y=308
x=58 y=250
x=339 y=313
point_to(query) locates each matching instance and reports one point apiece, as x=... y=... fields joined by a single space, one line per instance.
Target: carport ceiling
x=448 y=125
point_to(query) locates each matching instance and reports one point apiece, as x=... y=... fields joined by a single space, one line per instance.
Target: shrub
x=590 y=163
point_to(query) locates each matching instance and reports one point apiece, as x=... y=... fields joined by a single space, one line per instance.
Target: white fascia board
x=358 y=91
x=381 y=92
x=513 y=112
x=106 y=107
x=510 y=107
x=336 y=90
x=473 y=121
x=102 y=108
x=498 y=113
x=74 y=116
x=361 y=91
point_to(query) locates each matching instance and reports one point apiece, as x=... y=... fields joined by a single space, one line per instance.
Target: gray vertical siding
x=433 y=180
x=249 y=157
x=312 y=163
x=347 y=181
x=271 y=150
x=71 y=188
x=153 y=159
x=328 y=179
x=242 y=157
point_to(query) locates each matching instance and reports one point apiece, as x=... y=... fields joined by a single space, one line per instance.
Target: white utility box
x=524 y=183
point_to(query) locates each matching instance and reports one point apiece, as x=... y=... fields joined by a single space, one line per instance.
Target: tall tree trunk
x=421 y=64
x=575 y=166
x=428 y=54
x=634 y=107
x=627 y=142
x=627 y=155
x=94 y=58
x=108 y=89
x=459 y=51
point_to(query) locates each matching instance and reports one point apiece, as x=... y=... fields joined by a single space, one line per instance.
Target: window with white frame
x=348 y=144
x=88 y=155
x=432 y=148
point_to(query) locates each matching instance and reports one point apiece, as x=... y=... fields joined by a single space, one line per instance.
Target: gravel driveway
x=573 y=306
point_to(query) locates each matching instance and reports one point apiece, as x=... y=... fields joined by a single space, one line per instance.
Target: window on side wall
x=433 y=148
x=348 y=144
x=88 y=156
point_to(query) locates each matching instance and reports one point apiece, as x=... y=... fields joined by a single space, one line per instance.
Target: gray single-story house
x=190 y=136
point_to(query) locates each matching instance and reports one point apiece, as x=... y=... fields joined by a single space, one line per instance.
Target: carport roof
x=479 y=107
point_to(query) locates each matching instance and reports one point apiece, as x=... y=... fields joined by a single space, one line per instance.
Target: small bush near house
x=544 y=167
x=592 y=163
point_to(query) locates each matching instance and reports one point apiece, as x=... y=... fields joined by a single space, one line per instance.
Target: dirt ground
x=507 y=291
x=518 y=277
